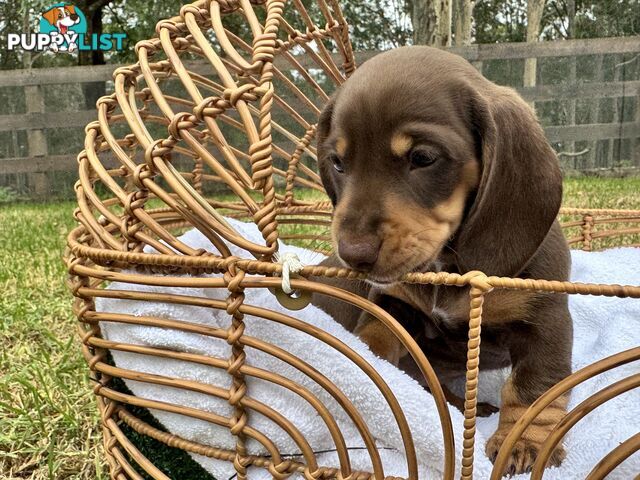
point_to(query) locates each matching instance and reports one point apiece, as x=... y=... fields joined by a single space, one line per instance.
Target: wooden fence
x=587 y=94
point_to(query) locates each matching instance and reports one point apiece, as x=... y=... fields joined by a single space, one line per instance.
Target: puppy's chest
x=446 y=329
x=448 y=307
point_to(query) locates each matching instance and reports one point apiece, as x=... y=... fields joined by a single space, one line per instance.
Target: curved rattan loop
x=310 y=398
x=577 y=414
x=175 y=441
x=416 y=353
x=615 y=458
x=217 y=392
x=225 y=43
x=277 y=352
x=380 y=384
x=189 y=412
x=294 y=323
x=132 y=452
x=186 y=193
x=113 y=434
x=290 y=321
x=552 y=394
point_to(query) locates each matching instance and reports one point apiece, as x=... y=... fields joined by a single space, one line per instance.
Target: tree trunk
x=571 y=18
x=444 y=23
x=431 y=20
x=464 y=15
x=93 y=12
x=534 y=17
x=26 y=28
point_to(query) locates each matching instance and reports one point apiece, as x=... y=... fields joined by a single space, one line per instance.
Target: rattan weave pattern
x=244 y=132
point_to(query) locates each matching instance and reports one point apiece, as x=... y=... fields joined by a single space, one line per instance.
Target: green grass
x=592 y=192
x=48 y=423
x=49 y=427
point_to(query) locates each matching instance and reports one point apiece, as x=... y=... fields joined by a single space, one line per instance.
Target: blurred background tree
x=506 y=20
x=376 y=24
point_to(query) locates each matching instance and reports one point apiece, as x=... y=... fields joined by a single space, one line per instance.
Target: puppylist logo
x=63 y=28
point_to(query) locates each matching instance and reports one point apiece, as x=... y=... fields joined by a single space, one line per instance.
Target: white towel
x=603 y=326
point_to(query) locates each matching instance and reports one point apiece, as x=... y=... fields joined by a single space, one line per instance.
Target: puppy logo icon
x=63 y=21
x=63 y=28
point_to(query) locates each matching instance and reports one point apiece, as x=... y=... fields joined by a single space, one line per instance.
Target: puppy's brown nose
x=359 y=253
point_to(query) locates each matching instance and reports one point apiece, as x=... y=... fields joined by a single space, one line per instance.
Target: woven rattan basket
x=218 y=118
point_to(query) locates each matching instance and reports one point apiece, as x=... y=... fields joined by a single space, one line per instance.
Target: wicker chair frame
x=251 y=82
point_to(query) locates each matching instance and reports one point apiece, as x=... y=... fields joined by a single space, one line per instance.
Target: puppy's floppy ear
x=520 y=188
x=71 y=9
x=322 y=133
x=51 y=15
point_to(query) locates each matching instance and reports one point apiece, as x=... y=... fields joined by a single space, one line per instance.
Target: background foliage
x=376 y=24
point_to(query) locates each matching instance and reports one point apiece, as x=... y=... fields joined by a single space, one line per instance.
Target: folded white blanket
x=603 y=326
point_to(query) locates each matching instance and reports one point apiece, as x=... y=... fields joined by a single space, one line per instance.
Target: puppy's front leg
x=380 y=339
x=344 y=313
x=541 y=357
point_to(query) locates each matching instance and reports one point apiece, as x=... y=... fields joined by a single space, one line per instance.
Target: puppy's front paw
x=523 y=455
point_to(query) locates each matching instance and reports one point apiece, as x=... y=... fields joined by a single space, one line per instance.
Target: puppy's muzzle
x=360 y=253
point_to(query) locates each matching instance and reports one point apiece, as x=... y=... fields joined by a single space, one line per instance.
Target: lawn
x=49 y=427
x=48 y=423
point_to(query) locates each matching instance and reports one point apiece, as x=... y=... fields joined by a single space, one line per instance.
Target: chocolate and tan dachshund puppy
x=431 y=167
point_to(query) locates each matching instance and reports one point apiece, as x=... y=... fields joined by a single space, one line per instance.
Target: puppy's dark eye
x=420 y=158
x=337 y=163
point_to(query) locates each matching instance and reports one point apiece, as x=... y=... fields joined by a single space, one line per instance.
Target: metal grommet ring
x=297 y=300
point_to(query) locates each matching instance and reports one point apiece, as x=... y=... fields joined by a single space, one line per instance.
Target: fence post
x=571 y=110
x=36 y=138
x=594 y=114
x=617 y=117
x=635 y=154
x=477 y=64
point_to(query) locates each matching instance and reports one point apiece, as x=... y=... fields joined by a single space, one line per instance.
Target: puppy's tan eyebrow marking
x=450 y=210
x=341 y=146
x=400 y=144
